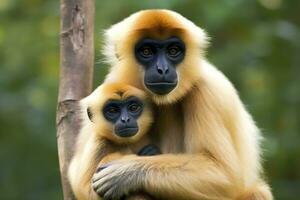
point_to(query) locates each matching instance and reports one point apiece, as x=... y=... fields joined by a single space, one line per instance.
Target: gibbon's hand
x=149 y=150
x=117 y=179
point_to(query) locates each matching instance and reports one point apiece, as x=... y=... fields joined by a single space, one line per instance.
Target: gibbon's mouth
x=127 y=131
x=161 y=88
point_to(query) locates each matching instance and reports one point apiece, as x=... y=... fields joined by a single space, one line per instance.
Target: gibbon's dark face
x=124 y=115
x=160 y=58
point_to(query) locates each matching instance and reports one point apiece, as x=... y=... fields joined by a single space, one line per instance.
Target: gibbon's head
x=158 y=49
x=118 y=112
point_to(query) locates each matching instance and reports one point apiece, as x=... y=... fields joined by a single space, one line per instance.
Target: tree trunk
x=76 y=77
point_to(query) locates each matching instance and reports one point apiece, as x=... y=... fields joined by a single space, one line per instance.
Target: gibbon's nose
x=162 y=65
x=162 y=70
x=125 y=119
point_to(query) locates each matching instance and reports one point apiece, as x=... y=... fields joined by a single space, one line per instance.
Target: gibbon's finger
x=113 y=193
x=97 y=185
x=103 y=173
x=108 y=194
x=110 y=191
x=152 y=151
x=102 y=188
x=101 y=167
x=101 y=180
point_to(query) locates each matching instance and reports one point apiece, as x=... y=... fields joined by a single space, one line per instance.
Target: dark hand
x=149 y=150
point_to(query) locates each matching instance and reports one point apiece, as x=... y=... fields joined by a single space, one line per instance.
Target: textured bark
x=76 y=77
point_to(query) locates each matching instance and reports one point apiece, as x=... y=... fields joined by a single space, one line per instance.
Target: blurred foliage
x=255 y=43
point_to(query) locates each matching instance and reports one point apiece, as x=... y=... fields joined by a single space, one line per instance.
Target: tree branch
x=76 y=77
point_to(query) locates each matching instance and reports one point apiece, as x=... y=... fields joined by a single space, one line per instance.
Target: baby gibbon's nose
x=125 y=119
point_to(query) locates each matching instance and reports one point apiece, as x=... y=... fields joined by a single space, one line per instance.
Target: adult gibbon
x=210 y=143
x=116 y=118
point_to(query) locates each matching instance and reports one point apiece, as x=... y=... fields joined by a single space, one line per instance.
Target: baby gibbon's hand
x=149 y=150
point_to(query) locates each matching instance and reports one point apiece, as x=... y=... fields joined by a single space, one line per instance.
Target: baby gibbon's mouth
x=127 y=131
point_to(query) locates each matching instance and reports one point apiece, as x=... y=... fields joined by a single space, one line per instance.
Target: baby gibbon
x=116 y=118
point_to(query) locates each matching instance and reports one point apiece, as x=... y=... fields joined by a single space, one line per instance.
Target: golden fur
x=209 y=140
x=98 y=145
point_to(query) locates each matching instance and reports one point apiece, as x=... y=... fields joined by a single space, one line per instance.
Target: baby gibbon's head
x=118 y=112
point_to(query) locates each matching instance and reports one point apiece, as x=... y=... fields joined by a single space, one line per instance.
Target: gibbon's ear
x=89 y=113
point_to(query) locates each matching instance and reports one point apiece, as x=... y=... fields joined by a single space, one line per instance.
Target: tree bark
x=76 y=77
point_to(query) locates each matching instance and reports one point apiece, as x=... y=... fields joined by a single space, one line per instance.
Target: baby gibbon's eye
x=113 y=110
x=134 y=107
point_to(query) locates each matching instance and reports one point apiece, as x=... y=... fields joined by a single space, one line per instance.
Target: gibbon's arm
x=88 y=154
x=166 y=176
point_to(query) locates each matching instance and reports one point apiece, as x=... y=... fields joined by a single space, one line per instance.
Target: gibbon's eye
x=174 y=51
x=112 y=111
x=146 y=52
x=134 y=107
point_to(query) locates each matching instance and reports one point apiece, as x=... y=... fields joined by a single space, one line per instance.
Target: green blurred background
x=256 y=43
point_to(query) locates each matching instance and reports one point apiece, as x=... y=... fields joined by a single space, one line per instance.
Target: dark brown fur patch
x=120 y=93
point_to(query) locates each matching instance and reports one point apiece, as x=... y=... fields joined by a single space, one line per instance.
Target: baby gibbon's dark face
x=123 y=114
